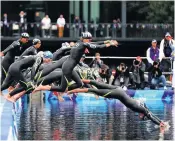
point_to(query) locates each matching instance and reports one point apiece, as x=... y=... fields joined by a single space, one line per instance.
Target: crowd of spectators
x=134 y=76
x=46 y=27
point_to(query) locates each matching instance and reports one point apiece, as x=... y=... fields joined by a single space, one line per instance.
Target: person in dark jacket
x=122 y=76
x=137 y=75
x=157 y=76
x=37 y=26
x=96 y=62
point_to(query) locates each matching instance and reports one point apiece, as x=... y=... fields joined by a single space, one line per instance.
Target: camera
x=136 y=62
x=123 y=68
x=156 y=62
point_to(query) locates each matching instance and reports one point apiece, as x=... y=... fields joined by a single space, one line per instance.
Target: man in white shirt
x=60 y=23
x=152 y=54
x=46 y=25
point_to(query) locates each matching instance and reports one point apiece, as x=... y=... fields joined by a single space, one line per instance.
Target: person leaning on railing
x=137 y=75
x=157 y=76
x=166 y=48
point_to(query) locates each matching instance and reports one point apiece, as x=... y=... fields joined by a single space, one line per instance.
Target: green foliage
x=154 y=11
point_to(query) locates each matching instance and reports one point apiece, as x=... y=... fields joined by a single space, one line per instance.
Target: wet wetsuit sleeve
x=12 y=46
x=36 y=66
x=29 y=51
x=61 y=51
x=93 y=46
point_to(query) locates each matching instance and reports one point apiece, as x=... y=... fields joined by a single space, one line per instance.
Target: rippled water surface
x=91 y=119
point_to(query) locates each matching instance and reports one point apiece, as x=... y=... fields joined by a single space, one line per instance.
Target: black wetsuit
x=115 y=92
x=15 y=73
x=30 y=51
x=75 y=55
x=48 y=68
x=60 y=53
x=10 y=52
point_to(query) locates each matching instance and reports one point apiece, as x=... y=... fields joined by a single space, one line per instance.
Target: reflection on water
x=91 y=120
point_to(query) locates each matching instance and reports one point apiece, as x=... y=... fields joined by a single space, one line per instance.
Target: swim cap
x=48 y=54
x=36 y=41
x=25 y=35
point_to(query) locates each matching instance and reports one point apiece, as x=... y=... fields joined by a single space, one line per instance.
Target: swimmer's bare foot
x=86 y=81
x=9 y=98
x=78 y=91
x=17 y=96
x=96 y=97
x=41 y=87
x=11 y=88
x=70 y=97
x=60 y=98
x=164 y=125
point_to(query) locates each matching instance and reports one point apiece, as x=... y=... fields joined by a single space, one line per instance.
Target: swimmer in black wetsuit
x=64 y=50
x=31 y=50
x=116 y=92
x=15 y=73
x=9 y=54
x=75 y=55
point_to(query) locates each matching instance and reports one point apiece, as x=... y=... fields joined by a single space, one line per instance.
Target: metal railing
x=134 y=30
x=114 y=57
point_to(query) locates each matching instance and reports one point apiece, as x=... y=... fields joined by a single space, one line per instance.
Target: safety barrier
x=134 y=30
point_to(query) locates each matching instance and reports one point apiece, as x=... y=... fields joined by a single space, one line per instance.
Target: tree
x=161 y=12
x=152 y=11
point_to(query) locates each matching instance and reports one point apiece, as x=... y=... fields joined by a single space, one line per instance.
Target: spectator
x=77 y=24
x=137 y=76
x=152 y=54
x=46 y=25
x=173 y=58
x=5 y=25
x=166 y=48
x=60 y=23
x=96 y=62
x=122 y=76
x=37 y=25
x=157 y=76
x=22 y=22
x=105 y=73
x=115 y=27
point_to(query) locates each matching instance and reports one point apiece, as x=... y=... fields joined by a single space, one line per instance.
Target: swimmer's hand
x=41 y=87
x=165 y=125
x=114 y=43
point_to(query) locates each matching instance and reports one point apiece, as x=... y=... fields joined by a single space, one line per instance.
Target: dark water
x=91 y=120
